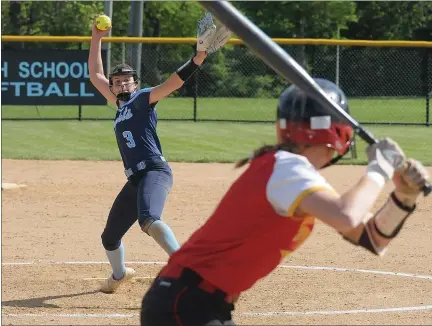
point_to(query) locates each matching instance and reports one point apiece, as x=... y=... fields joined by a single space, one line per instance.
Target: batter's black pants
x=184 y=301
x=142 y=198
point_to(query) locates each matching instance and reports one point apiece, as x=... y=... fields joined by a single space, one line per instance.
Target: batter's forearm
x=367 y=238
x=358 y=201
x=376 y=232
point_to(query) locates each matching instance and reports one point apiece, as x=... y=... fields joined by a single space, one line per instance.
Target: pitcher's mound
x=6 y=186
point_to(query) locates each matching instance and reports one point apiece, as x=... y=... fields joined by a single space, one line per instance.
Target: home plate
x=7 y=186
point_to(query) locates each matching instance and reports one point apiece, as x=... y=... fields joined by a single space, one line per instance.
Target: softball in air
x=103 y=22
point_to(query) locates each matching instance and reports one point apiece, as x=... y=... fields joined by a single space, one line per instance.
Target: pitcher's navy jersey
x=135 y=129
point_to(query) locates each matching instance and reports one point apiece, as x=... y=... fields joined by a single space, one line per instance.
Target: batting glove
x=410 y=181
x=384 y=158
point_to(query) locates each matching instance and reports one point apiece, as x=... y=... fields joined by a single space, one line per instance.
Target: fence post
x=136 y=29
x=195 y=96
x=123 y=52
x=337 y=59
x=354 y=147
x=428 y=81
x=79 y=105
x=195 y=91
x=424 y=77
x=108 y=9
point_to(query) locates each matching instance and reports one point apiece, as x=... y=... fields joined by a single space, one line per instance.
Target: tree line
x=365 y=71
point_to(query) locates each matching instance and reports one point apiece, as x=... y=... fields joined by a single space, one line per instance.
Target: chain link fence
x=384 y=85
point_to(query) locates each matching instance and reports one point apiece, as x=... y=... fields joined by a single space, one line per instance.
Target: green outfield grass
x=181 y=141
x=365 y=110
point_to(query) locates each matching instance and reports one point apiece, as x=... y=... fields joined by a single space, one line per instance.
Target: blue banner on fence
x=48 y=77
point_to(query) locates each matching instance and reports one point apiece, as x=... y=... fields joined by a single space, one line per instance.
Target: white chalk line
x=73 y=315
x=104 y=278
x=51 y=262
x=335 y=312
x=323 y=268
x=355 y=270
x=250 y=314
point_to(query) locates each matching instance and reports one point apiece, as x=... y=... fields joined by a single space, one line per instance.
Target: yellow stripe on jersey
x=304 y=231
x=303 y=195
x=302 y=234
x=284 y=253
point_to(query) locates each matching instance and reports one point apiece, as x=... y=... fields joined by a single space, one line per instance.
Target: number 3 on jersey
x=130 y=141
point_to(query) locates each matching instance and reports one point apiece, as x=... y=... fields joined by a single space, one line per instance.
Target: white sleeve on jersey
x=293 y=178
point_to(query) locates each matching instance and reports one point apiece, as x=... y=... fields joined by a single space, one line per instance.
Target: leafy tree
x=389 y=20
x=235 y=71
x=49 y=18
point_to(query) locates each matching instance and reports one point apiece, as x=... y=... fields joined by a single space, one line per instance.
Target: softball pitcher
x=149 y=177
x=270 y=210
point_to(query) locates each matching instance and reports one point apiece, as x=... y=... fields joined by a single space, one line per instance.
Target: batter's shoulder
x=284 y=158
x=292 y=178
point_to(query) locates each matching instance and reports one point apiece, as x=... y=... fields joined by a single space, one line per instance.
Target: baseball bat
x=281 y=62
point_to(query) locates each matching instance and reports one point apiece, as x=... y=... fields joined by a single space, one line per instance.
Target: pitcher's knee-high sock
x=116 y=259
x=164 y=236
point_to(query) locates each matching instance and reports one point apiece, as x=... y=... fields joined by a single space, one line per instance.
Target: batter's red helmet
x=302 y=120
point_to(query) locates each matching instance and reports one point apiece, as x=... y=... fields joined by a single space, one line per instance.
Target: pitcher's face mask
x=123 y=83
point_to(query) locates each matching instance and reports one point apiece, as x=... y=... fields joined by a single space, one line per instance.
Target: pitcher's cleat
x=110 y=284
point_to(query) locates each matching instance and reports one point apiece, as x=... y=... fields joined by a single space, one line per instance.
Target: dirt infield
x=52 y=255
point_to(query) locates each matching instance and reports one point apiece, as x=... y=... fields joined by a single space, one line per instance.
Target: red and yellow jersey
x=252 y=228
